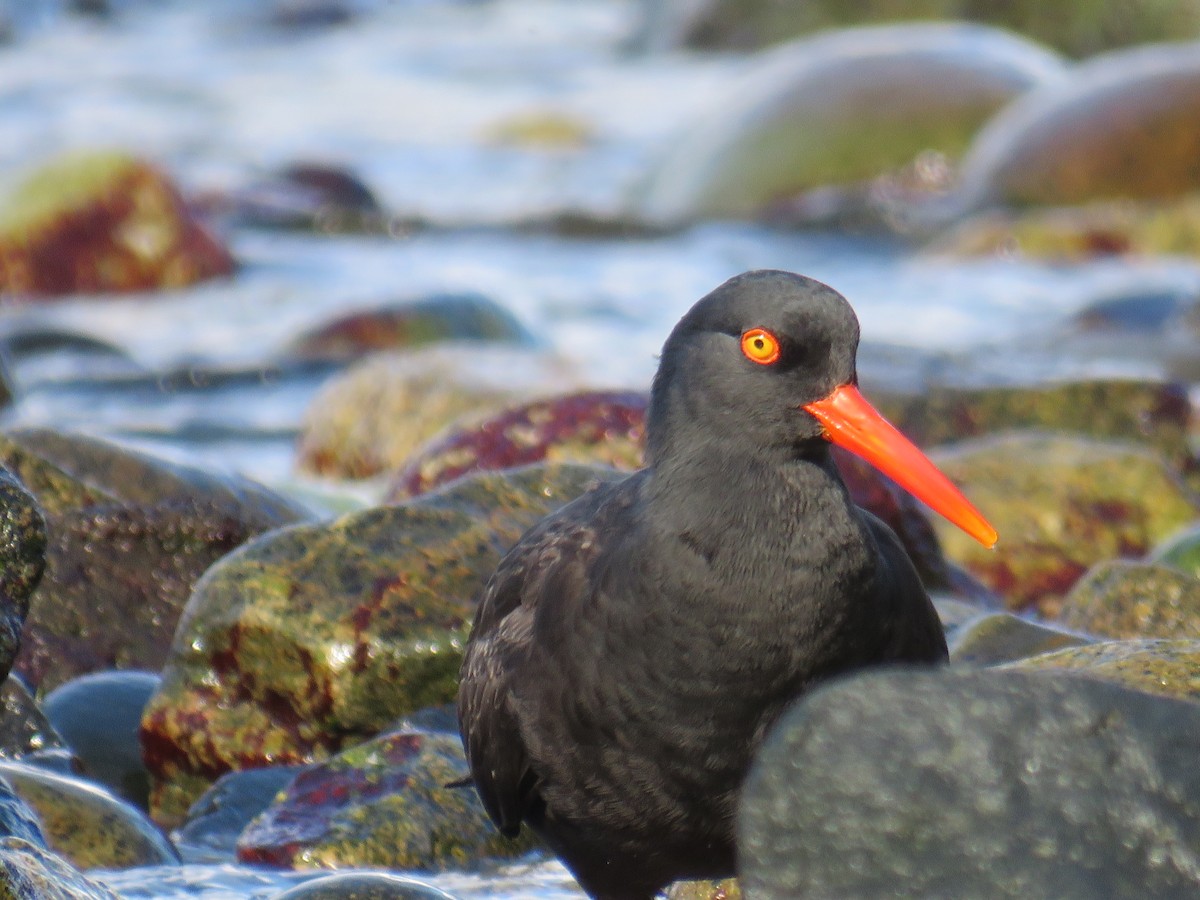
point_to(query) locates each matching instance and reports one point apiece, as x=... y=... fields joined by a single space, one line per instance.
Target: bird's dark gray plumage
x=631 y=650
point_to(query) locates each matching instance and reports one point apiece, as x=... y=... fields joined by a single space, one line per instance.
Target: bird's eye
x=760 y=346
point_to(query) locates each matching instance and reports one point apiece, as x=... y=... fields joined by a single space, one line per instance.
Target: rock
x=1002 y=637
x=28 y=872
x=22 y=561
x=86 y=825
x=1078 y=27
x=39 y=352
x=1156 y=666
x=1180 y=550
x=1122 y=126
x=1061 y=504
x=304 y=195
x=363 y=886
x=315 y=637
x=1152 y=412
x=24 y=728
x=726 y=889
x=213 y=823
x=955 y=613
x=974 y=785
x=370 y=419
x=129 y=536
x=102 y=222
x=384 y=803
x=99 y=716
x=17 y=819
x=591 y=427
x=1125 y=599
x=839 y=108
x=441 y=317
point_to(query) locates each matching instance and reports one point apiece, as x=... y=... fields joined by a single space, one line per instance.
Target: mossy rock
x=86 y=825
x=363 y=886
x=1126 y=599
x=441 y=317
x=724 y=889
x=1077 y=27
x=129 y=535
x=315 y=637
x=1180 y=550
x=22 y=561
x=1003 y=637
x=1061 y=503
x=591 y=427
x=1079 y=233
x=384 y=803
x=1152 y=412
x=839 y=108
x=102 y=222
x=1154 y=665
x=371 y=418
x=1122 y=126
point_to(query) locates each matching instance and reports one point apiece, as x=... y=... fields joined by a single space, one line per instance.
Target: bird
x=631 y=650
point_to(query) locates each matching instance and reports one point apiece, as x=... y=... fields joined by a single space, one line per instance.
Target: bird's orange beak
x=851 y=422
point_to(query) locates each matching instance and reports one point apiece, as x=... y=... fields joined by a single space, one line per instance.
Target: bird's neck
x=780 y=498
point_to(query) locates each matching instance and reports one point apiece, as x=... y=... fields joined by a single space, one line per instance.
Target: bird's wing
x=547 y=568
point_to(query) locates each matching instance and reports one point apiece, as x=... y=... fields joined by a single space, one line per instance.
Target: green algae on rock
x=1170 y=667
x=316 y=637
x=1153 y=412
x=369 y=419
x=22 y=561
x=1127 y=599
x=1078 y=233
x=382 y=803
x=1002 y=637
x=839 y=108
x=24 y=727
x=1180 y=550
x=102 y=222
x=29 y=872
x=86 y=825
x=1061 y=504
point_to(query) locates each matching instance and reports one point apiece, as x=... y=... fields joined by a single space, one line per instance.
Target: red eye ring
x=760 y=346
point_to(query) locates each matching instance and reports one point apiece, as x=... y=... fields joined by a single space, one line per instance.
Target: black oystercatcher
x=631 y=650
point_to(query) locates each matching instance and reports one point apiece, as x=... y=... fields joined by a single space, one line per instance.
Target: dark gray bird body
x=631 y=650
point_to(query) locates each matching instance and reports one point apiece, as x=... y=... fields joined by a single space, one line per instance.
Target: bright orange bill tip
x=851 y=422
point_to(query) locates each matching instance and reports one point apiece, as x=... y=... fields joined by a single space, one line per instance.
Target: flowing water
x=413 y=96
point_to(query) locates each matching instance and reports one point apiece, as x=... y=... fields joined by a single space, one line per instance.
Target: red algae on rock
x=102 y=222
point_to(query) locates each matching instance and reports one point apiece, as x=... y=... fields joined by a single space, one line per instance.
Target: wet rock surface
x=383 y=803
x=98 y=716
x=214 y=822
x=24 y=728
x=102 y=222
x=1002 y=637
x=364 y=886
x=28 y=872
x=316 y=637
x=86 y=825
x=974 y=784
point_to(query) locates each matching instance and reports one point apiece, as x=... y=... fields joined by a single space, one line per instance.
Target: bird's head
x=765 y=364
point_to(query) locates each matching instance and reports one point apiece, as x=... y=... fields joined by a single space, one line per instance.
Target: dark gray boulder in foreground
x=975 y=785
